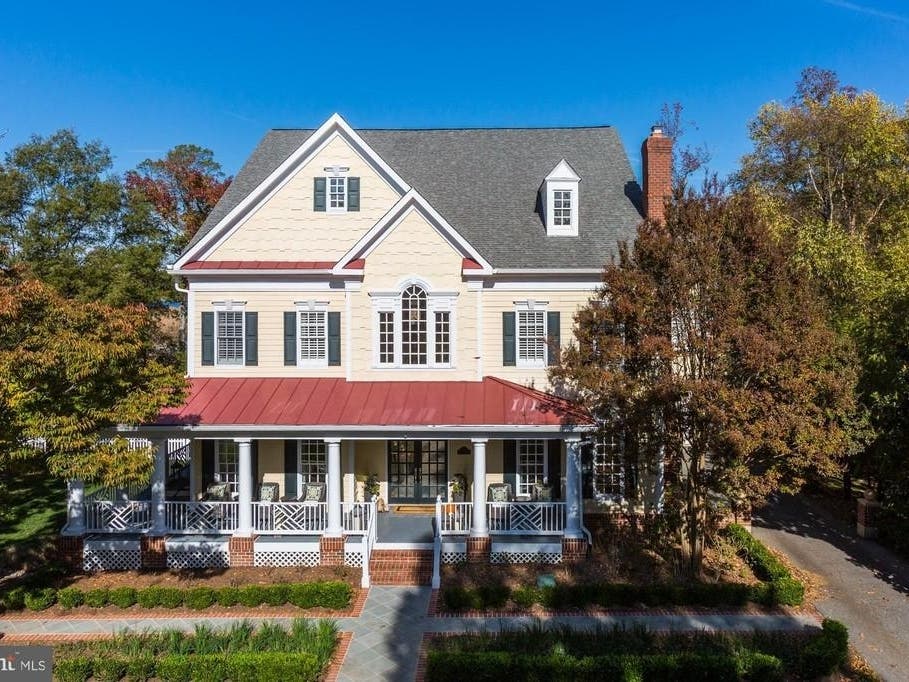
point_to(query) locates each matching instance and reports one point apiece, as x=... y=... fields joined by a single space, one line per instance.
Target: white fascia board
x=365 y=432
x=301 y=272
x=412 y=200
x=282 y=174
x=548 y=271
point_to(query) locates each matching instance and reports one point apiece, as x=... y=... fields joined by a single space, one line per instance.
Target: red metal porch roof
x=358 y=264
x=336 y=402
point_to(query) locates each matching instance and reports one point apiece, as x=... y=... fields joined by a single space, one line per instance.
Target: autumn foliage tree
x=69 y=371
x=705 y=349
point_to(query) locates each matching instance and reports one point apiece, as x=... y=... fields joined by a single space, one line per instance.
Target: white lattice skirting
x=524 y=558
x=111 y=559
x=286 y=558
x=454 y=557
x=207 y=558
x=354 y=559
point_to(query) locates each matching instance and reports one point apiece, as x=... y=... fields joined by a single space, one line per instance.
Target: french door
x=417 y=470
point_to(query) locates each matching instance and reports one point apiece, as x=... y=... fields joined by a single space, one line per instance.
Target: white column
x=479 y=528
x=244 y=487
x=193 y=493
x=350 y=480
x=75 y=507
x=573 y=500
x=158 y=487
x=333 y=528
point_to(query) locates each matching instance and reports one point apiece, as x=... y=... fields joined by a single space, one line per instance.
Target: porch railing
x=104 y=516
x=525 y=518
x=357 y=516
x=201 y=517
x=277 y=518
x=368 y=541
x=454 y=518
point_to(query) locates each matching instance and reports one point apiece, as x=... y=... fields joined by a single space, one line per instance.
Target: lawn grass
x=33 y=512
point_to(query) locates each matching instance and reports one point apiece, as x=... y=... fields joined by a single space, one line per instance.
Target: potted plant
x=372 y=489
x=456 y=490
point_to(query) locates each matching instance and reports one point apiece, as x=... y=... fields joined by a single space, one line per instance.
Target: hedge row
x=198 y=668
x=786 y=589
x=326 y=594
x=616 y=595
x=715 y=657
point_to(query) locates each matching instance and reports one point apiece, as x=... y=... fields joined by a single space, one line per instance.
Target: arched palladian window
x=414 y=328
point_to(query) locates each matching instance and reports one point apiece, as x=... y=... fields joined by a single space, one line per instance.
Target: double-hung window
x=337 y=193
x=226 y=464
x=312 y=338
x=531 y=338
x=531 y=465
x=229 y=337
x=414 y=329
x=312 y=461
x=561 y=207
x=609 y=469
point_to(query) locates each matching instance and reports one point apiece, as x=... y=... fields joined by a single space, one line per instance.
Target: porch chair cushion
x=499 y=492
x=542 y=492
x=268 y=492
x=217 y=492
x=315 y=492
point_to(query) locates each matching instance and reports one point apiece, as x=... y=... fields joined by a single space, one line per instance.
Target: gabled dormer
x=561 y=200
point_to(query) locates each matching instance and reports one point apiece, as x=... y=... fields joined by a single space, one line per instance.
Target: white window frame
x=562 y=178
x=222 y=472
x=615 y=451
x=436 y=302
x=520 y=474
x=312 y=308
x=301 y=476
x=536 y=308
x=220 y=309
x=328 y=193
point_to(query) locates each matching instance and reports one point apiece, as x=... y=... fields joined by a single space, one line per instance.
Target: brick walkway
x=387 y=635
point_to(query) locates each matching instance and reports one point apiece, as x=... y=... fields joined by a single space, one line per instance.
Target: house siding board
x=287 y=227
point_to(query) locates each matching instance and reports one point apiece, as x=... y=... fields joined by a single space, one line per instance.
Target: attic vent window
x=561 y=201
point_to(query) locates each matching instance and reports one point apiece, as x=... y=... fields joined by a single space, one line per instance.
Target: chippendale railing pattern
x=201 y=517
x=102 y=516
x=526 y=517
x=289 y=517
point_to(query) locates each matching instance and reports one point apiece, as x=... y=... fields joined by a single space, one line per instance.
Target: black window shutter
x=208 y=338
x=254 y=456
x=508 y=340
x=353 y=194
x=510 y=462
x=334 y=338
x=208 y=463
x=252 y=339
x=553 y=340
x=318 y=194
x=555 y=468
x=290 y=468
x=290 y=338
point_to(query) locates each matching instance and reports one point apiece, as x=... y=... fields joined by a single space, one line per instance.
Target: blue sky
x=143 y=77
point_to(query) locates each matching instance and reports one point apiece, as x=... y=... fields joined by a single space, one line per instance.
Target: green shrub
x=787 y=591
x=457 y=598
x=252 y=595
x=123 y=597
x=40 y=599
x=171 y=597
x=149 y=597
x=140 y=668
x=227 y=596
x=525 y=597
x=239 y=666
x=762 y=561
x=14 y=599
x=822 y=655
x=329 y=594
x=108 y=669
x=277 y=595
x=763 y=667
x=200 y=598
x=175 y=668
x=72 y=669
x=493 y=596
x=70 y=597
x=97 y=598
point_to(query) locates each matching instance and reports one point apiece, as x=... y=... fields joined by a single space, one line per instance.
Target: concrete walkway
x=387 y=635
x=867 y=586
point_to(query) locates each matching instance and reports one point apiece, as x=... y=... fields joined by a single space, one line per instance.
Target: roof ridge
x=457 y=129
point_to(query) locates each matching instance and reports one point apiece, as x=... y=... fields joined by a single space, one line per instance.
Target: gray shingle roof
x=486 y=182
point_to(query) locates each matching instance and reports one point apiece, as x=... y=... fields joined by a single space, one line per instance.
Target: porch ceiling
x=310 y=402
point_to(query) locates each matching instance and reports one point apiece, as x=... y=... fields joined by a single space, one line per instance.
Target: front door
x=417 y=470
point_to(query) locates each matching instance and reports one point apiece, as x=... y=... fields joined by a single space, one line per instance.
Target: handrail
x=437 y=546
x=368 y=542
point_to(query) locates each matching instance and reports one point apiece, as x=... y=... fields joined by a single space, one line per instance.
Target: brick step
x=401 y=567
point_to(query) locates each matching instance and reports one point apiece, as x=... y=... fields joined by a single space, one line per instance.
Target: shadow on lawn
x=33 y=513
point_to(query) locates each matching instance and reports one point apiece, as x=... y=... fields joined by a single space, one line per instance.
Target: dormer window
x=560 y=201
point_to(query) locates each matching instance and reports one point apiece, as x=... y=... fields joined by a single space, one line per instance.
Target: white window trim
x=219 y=476
x=328 y=207
x=604 y=497
x=231 y=307
x=300 y=462
x=435 y=302
x=311 y=307
x=530 y=306
x=562 y=178
x=518 y=473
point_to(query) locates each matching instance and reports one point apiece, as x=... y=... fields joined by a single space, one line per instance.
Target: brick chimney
x=656 y=154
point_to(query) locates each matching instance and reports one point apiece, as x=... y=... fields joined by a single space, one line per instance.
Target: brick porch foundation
x=153 y=551
x=478 y=550
x=331 y=551
x=241 y=551
x=574 y=550
x=70 y=549
x=401 y=567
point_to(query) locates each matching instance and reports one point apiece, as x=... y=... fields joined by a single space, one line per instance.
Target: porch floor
x=415 y=528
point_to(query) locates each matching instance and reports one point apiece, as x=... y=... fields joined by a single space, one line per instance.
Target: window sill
x=413 y=367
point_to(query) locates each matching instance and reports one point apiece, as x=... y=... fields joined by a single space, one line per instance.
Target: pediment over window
x=561 y=200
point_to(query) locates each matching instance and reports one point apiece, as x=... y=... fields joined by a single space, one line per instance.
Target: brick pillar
x=478 y=549
x=242 y=551
x=154 y=552
x=331 y=551
x=574 y=550
x=70 y=549
x=868 y=515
